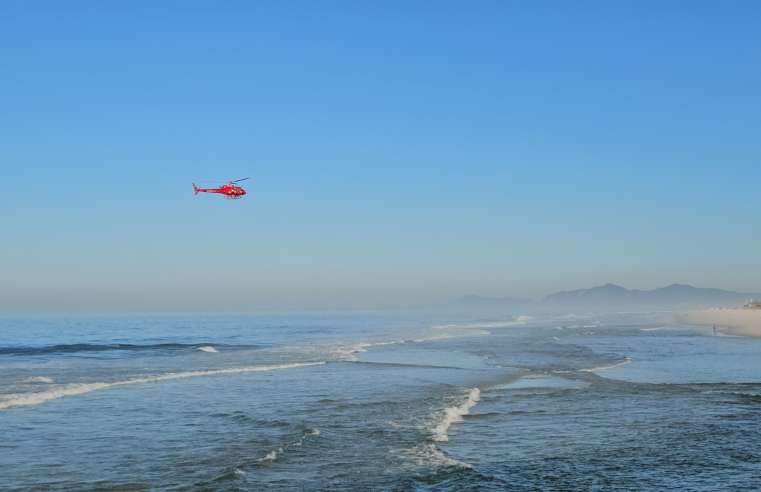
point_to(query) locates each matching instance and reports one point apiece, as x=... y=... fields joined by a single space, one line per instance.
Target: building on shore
x=752 y=305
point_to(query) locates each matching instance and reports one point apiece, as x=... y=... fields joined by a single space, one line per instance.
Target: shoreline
x=743 y=322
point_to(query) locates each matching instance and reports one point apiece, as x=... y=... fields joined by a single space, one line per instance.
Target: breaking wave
x=428 y=456
x=602 y=368
x=453 y=415
x=521 y=320
x=347 y=352
x=206 y=348
x=746 y=394
x=28 y=399
x=274 y=454
x=38 y=379
x=87 y=347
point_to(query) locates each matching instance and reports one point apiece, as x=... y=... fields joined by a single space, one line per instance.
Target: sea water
x=433 y=400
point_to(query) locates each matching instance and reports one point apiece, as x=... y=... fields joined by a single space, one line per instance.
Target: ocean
x=423 y=400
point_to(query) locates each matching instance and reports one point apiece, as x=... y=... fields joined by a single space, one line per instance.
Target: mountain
x=610 y=296
x=605 y=294
x=672 y=297
x=687 y=294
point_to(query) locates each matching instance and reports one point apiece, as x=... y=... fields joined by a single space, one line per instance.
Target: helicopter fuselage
x=230 y=191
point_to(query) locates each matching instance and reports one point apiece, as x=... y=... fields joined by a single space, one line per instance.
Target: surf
x=453 y=415
x=73 y=389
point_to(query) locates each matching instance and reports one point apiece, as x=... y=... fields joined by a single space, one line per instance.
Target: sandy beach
x=746 y=322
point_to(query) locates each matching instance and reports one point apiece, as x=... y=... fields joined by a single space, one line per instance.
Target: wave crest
x=89 y=347
x=29 y=399
x=38 y=379
x=207 y=348
x=602 y=368
x=453 y=415
x=428 y=456
x=274 y=454
x=520 y=320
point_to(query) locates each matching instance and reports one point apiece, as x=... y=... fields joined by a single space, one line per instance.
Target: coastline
x=743 y=322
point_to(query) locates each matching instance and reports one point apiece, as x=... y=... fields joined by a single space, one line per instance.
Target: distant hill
x=610 y=296
x=605 y=294
x=673 y=296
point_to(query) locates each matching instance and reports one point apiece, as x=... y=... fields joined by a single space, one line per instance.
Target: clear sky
x=399 y=153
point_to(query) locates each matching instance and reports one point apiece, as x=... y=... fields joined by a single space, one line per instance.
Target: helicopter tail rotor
x=195 y=188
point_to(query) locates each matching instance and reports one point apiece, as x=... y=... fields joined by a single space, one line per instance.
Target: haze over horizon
x=399 y=155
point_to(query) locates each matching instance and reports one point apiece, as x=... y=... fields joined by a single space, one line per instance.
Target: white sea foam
x=427 y=339
x=27 y=399
x=206 y=348
x=445 y=335
x=543 y=382
x=393 y=342
x=602 y=368
x=274 y=454
x=651 y=329
x=345 y=352
x=521 y=320
x=38 y=379
x=453 y=415
x=737 y=393
x=428 y=456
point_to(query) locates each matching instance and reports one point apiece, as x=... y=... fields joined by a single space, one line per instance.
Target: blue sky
x=399 y=153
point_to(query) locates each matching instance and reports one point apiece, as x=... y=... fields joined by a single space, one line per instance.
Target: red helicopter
x=230 y=191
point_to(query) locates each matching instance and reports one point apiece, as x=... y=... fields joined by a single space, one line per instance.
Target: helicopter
x=230 y=190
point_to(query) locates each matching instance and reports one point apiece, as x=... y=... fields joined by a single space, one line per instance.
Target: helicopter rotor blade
x=242 y=179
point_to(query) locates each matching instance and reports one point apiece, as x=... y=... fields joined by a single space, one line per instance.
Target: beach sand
x=745 y=322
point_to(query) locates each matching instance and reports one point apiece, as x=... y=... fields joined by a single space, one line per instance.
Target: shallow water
x=353 y=401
